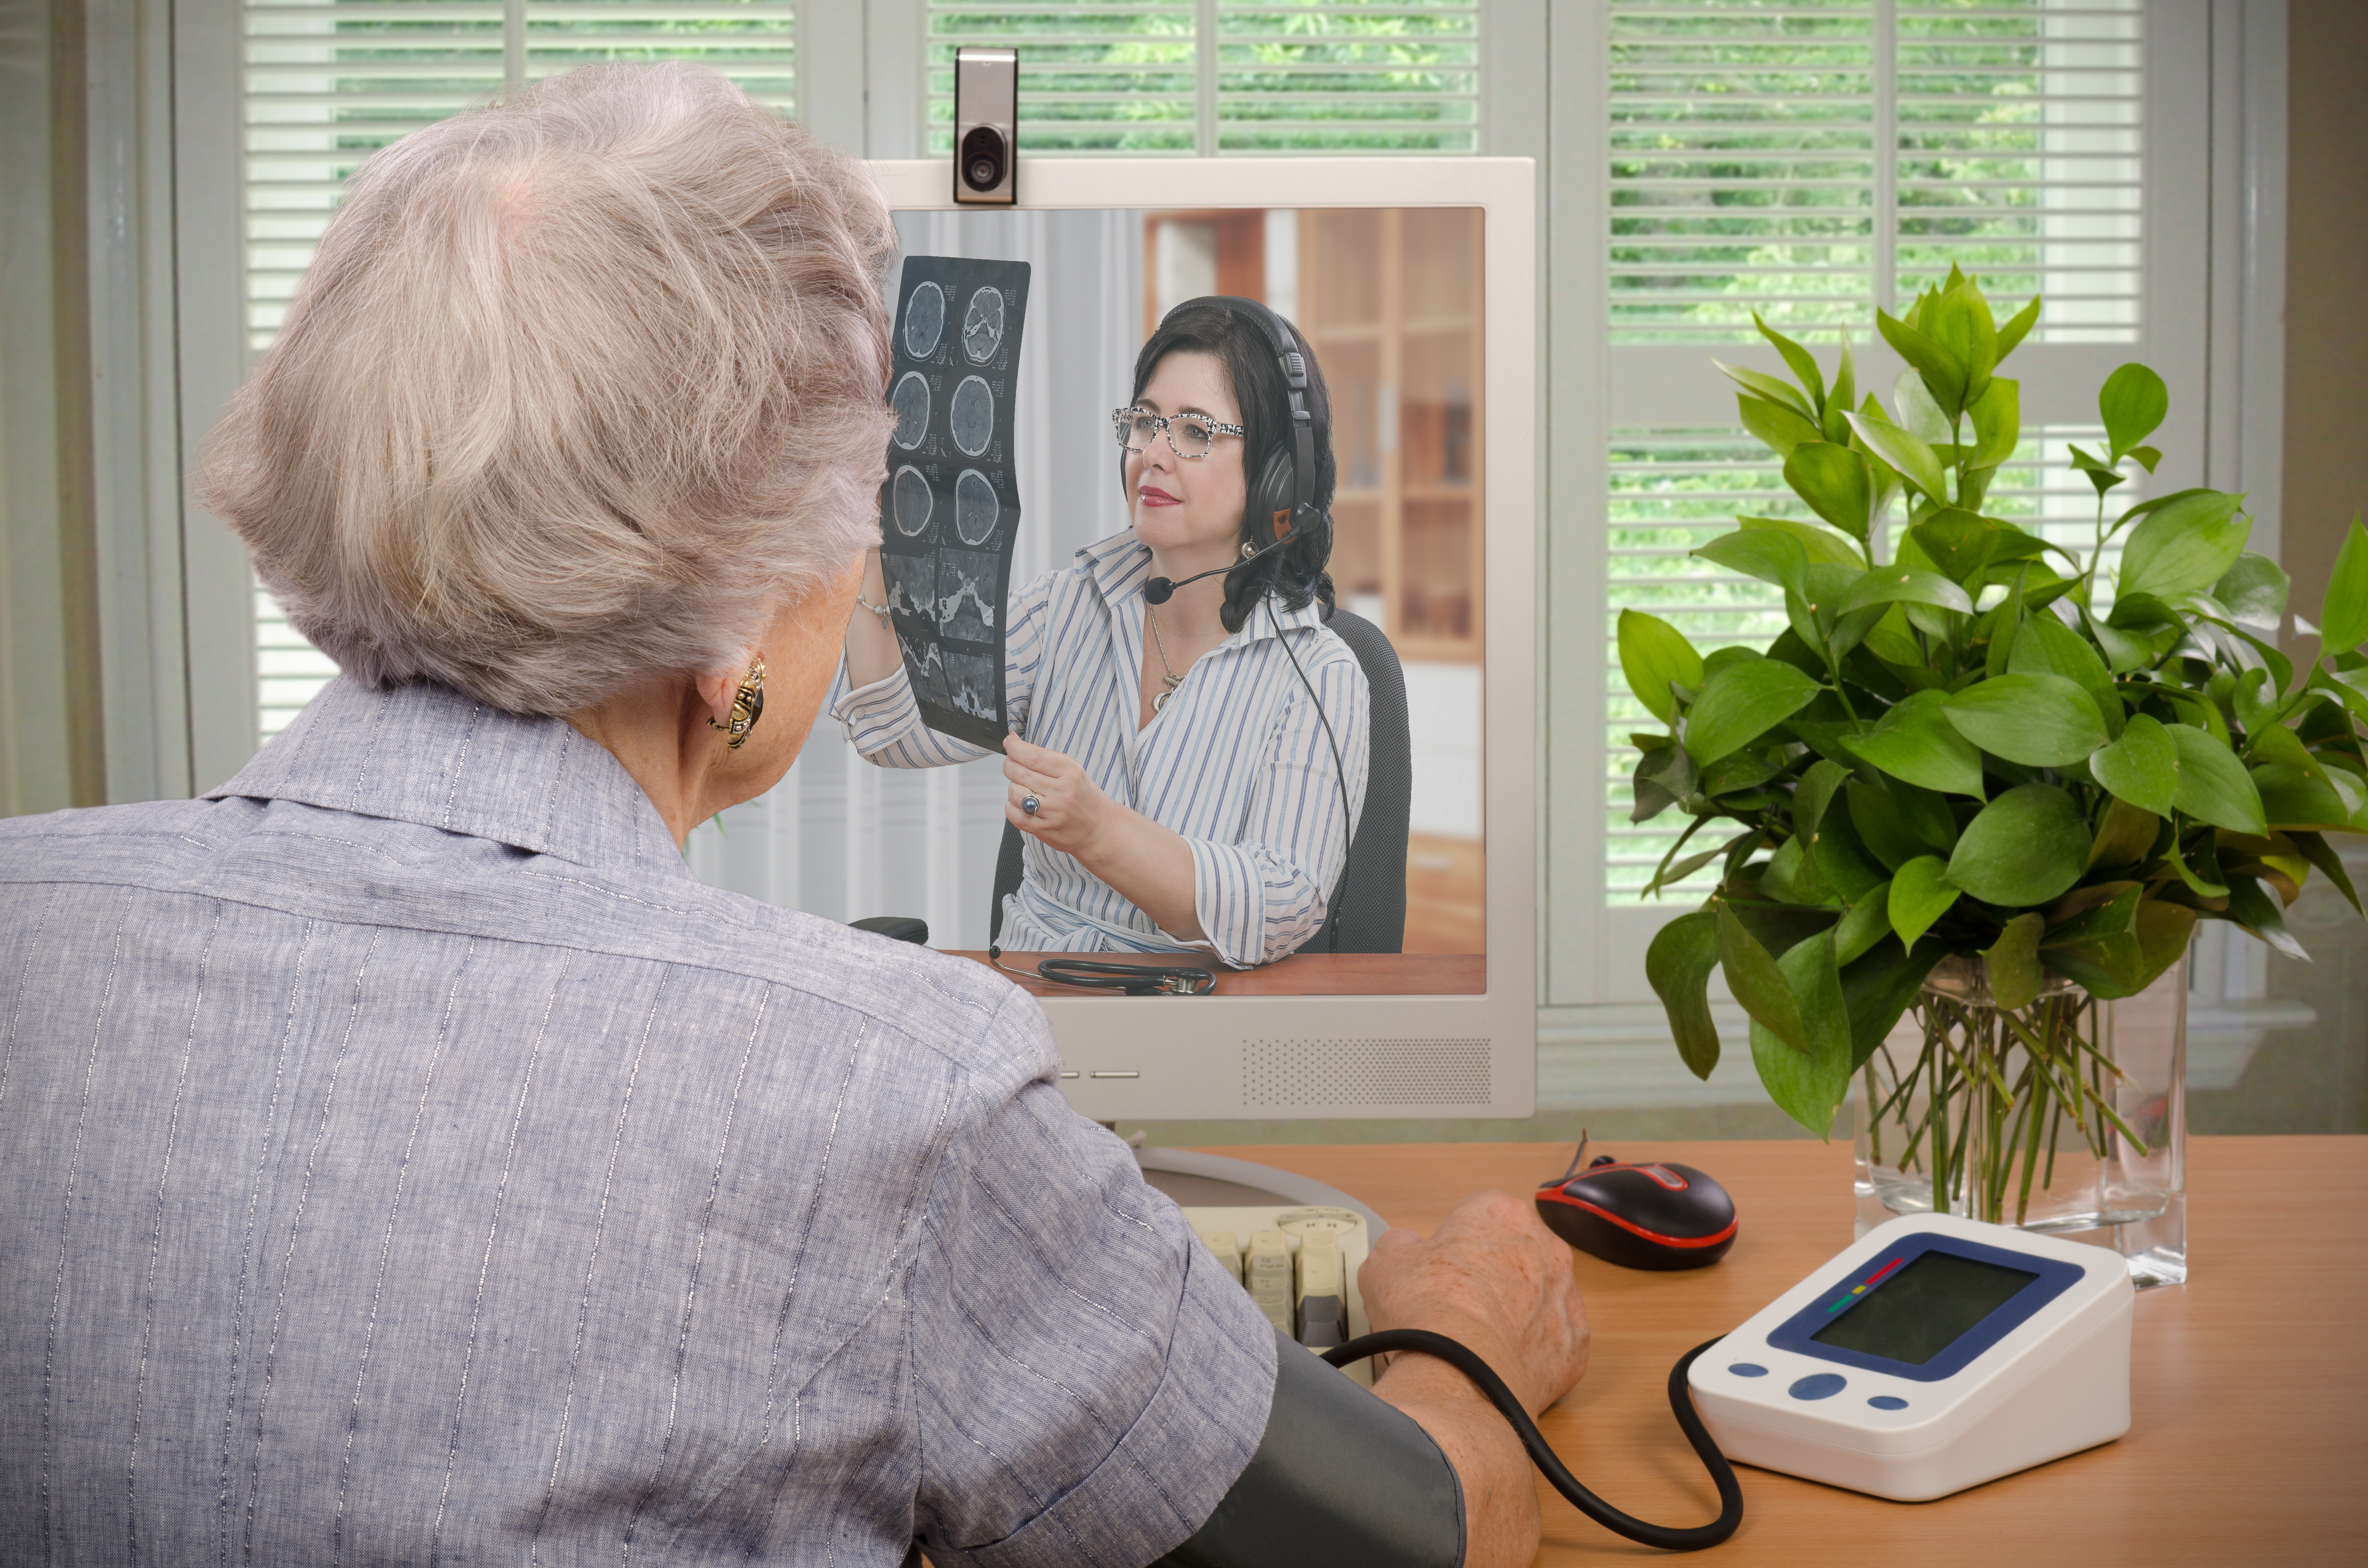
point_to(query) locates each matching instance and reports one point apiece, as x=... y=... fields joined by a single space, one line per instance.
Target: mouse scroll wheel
x=1666 y=1177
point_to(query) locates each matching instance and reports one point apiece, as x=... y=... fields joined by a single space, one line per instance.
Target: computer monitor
x=1414 y=282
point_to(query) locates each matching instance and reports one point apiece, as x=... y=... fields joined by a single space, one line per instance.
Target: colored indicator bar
x=1855 y=1292
x=1876 y=1278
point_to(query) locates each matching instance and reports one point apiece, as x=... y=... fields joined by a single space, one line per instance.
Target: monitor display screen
x=1390 y=302
x=1925 y=1308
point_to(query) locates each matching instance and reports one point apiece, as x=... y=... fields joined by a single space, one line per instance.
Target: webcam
x=986 y=122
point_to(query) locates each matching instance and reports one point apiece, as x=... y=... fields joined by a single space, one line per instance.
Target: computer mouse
x=1657 y=1214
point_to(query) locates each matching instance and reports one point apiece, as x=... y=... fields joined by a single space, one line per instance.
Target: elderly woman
x=405 y=1158
x=1190 y=768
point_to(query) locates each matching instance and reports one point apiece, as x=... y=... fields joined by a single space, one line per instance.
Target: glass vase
x=2066 y=1115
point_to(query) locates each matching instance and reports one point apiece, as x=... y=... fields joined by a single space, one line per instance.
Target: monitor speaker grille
x=1364 y=1072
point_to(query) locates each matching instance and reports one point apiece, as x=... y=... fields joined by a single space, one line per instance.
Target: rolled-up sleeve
x=1088 y=1385
x=1262 y=897
x=883 y=719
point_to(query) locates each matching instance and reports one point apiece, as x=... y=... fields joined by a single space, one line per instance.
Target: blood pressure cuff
x=1339 y=1476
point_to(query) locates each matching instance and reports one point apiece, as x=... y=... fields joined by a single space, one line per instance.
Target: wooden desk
x=2250 y=1384
x=1301 y=974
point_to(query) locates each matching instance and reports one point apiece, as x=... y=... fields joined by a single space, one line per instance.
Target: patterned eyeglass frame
x=1123 y=418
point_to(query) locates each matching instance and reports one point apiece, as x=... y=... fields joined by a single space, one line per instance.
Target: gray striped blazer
x=1239 y=763
x=404 y=1159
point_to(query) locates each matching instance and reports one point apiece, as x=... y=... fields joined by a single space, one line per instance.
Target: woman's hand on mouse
x=1493 y=1276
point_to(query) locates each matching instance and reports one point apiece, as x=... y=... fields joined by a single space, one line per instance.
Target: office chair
x=1368 y=909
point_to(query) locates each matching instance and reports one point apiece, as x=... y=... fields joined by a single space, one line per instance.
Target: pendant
x=1159 y=699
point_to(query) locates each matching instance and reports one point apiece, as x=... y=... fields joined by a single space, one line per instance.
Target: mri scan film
x=950 y=508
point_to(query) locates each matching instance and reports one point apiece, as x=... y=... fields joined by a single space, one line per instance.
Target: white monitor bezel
x=1187 y=1053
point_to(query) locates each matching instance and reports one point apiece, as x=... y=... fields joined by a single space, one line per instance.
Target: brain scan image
x=925 y=321
x=910 y=502
x=976 y=510
x=983 y=325
x=973 y=416
x=911 y=402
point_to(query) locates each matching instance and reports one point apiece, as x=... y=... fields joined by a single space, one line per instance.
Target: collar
x=426 y=754
x=1120 y=565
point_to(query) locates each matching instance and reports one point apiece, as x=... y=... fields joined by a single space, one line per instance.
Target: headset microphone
x=1158 y=590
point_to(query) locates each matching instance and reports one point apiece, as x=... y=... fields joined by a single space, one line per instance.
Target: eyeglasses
x=1189 y=435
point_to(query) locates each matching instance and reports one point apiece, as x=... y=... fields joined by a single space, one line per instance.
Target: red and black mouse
x=1656 y=1215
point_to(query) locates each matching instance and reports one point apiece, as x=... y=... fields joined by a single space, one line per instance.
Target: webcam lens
x=983 y=158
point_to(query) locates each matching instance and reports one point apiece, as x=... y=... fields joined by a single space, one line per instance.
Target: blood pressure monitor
x=1934 y=1354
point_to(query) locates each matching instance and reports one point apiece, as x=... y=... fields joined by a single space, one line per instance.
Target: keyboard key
x=1228 y=1249
x=1269 y=1277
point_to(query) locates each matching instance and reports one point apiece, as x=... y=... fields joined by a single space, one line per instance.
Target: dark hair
x=1228 y=331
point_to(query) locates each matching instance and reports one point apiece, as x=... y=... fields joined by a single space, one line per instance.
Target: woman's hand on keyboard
x=1493 y=1278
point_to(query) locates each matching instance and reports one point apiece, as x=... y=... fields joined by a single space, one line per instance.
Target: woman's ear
x=716 y=690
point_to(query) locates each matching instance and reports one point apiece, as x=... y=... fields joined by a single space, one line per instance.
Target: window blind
x=1814 y=159
x=1225 y=76
x=324 y=85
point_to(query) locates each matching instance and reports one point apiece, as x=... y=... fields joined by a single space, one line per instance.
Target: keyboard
x=1299 y=1263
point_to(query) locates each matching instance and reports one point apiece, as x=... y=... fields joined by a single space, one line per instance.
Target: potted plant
x=1985 y=780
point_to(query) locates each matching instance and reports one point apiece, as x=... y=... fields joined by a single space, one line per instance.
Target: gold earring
x=747 y=707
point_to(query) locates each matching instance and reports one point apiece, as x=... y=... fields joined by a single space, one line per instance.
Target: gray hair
x=579 y=387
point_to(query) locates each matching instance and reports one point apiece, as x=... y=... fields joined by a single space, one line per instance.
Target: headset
x=1284 y=494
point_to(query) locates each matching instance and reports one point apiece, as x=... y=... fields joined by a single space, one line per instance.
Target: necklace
x=1167 y=672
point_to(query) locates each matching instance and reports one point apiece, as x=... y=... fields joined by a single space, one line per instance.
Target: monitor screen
x=1413 y=282
x=1925 y=1308
x=1389 y=301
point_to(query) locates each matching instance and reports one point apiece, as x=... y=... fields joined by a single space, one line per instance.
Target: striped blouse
x=1238 y=763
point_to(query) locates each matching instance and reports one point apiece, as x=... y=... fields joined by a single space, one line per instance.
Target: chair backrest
x=1368 y=909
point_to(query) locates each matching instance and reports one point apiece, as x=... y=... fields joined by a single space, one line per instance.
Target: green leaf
x=2188 y=544
x=1879 y=987
x=1919 y=897
x=2260 y=914
x=1651 y=655
x=1916 y=742
x=1884 y=828
x=1997 y=423
x=2132 y=403
x=2036 y=720
x=1758 y=983
x=2017 y=327
x=1803 y=364
x=2012 y=962
x=1807 y=1081
x=1943 y=372
x=2344 y=614
x=1769 y=387
x=1740 y=703
x=2292 y=799
x=2255 y=591
x=1959 y=322
x=2126 y=836
x=1823 y=545
x=2203 y=879
x=2322 y=855
x=1865 y=922
x=1815 y=793
x=1905 y=584
x=2213 y=785
x=2045 y=646
x=2111 y=918
x=1843 y=393
x=1918 y=414
x=2023 y=850
x=1843 y=861
x=2274 y=742
x=1914 y=460
x=1778 y=426
x=1678 y=966
x=1836 y=481
x=2141 y=769
x=1769 y=554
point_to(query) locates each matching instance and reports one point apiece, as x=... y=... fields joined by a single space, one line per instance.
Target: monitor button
x=1888 y=1402
x=1818 y=1385
x=1748 y=1369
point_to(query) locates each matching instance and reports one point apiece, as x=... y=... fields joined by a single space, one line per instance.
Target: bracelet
x=880 y=610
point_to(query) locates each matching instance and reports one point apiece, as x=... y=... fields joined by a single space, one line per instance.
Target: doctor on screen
x=1182 y=786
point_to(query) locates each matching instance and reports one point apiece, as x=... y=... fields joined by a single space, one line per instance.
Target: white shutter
x=325 y=86
x=1812 y=161
x=1225 y=76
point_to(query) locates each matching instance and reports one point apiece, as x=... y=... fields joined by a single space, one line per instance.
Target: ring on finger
x=1028 y=804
